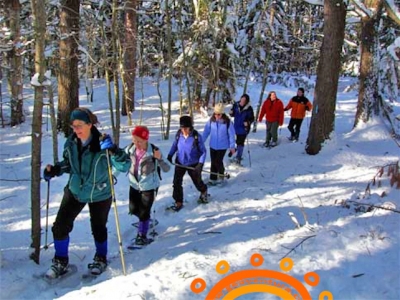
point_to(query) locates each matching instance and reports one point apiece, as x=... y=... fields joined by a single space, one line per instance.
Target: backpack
x=195 y=136
x=153 y=147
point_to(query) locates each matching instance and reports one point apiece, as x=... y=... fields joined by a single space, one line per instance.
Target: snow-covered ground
x=248 y=224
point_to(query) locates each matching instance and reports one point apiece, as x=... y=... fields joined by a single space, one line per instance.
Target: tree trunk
x=260 y=100
x=170 y=66
x=39 y=19
x=185 y=62
x=114 y=38
x=129 y=74
x=107 y=70
x=323 y=117
x=68 y=77
x=53 y=122
x=368 y=93
x=1 y=90
x=15 y=61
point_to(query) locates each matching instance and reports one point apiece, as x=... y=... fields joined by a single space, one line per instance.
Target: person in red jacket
x=272 y=109
x=299 y=105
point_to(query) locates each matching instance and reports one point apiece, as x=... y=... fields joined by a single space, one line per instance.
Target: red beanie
x=142 y=132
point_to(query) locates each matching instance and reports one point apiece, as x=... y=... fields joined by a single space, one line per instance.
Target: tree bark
x=39 y=19
x=130 y=46
x=68 y=77
x=323 y=117
x=170 y=66
x=15 y=62
x=368 y=93
x=53 y=122
x=114 y=38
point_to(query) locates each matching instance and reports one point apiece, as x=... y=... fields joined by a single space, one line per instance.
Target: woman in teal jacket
x=85 y=159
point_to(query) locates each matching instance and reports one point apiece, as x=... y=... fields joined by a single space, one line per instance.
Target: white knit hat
x=219 y=108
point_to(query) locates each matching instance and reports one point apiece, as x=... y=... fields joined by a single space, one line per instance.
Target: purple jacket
x=189 y=151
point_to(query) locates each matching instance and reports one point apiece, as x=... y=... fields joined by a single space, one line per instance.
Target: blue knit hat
x=81 y=115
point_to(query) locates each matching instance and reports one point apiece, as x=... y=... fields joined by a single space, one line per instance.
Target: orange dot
x=195 y=282
x=326 y=294
x=222 y=267
x=286 y=264
x=311 y=278
x=256 y=260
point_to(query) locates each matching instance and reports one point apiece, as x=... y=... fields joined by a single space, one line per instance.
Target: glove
x=246 y=127
x=169 y=158
x=199 y=167
x=106 y=143
x=47 y=175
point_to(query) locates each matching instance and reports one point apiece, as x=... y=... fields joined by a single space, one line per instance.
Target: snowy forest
x=208 y=48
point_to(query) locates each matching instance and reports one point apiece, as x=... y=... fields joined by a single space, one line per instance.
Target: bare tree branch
x=305 y=239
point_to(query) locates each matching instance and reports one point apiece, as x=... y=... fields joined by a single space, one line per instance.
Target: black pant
x=240 y=139
x=217 y=163
x=177 y=194
x=70 y=208
x=140 y=203
x=294 y=127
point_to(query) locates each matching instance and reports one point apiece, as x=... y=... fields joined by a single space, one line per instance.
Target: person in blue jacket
x=222 y=137
x=190 y=157
x=86 y=158
x=243 y=115
x=144 y=179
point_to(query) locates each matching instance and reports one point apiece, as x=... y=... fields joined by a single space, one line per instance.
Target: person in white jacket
x=144 y=179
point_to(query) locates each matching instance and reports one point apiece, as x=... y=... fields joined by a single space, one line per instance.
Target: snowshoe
x=140 y=242
x=266 y=145
x=174 y=207
x=236 y=162
x=58 y=267
x=293 y=139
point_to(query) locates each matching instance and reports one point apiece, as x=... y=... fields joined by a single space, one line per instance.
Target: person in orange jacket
x=299 y=105
x=272 y=109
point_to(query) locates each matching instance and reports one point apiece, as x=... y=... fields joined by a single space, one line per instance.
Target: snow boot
x=98 y=265
x=58 y=268
x=203 y=199
x=141 y=240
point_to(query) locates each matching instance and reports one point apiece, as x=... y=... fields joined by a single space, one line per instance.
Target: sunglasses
x=218 y=114
x=77 y=127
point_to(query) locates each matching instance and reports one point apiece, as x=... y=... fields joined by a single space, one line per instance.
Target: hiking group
x=89 y=157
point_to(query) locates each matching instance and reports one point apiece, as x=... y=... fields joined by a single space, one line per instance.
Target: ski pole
x=191 y=168
x=47 y=215
x=248 y=149
x=110 y=176
x=153 y=233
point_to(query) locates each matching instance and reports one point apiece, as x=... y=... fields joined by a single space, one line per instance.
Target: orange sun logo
x=259 y=281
